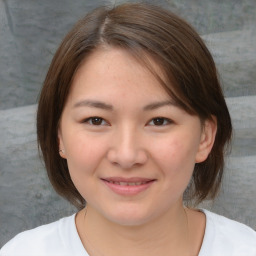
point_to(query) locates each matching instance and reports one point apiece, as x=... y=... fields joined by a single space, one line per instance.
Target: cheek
x=84 y=153
x=176 y=155
x=169 y=150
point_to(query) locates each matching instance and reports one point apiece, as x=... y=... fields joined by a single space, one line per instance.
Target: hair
x=190 y=78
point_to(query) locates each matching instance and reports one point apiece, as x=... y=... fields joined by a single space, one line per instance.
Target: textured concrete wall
x=30 y=31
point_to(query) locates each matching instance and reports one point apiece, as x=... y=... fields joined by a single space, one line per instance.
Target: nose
x=126 y=149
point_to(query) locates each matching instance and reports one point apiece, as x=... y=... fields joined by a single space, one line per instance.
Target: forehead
x=110 y=70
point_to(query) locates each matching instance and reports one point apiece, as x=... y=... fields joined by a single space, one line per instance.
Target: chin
x=129 y=221
x=129 y=217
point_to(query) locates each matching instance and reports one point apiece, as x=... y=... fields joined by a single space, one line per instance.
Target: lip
x=128 y=190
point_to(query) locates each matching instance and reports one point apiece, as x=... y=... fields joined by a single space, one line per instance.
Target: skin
x=133 y=136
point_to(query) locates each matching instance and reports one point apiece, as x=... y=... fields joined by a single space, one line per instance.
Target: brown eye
x=95 y=121
x=160 y=121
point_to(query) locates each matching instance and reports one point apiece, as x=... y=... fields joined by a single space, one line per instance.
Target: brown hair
x=190 y=79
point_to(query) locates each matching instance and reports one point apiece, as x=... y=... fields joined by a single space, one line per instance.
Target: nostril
x=127 y=158
x=111 y=155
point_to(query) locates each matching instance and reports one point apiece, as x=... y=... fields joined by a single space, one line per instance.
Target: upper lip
x=123 y=179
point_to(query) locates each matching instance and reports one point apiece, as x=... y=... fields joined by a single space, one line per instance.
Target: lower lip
x=128 y=190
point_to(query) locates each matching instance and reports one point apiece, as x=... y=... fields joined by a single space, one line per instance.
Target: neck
x=166 y=235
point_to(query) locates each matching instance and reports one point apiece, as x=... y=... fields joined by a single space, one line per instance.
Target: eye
x=95 y=120
x=160 y=121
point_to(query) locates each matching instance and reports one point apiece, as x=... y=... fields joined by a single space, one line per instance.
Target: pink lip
x=128 y=190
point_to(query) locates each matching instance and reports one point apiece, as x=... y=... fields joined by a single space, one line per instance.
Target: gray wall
x=30 y=31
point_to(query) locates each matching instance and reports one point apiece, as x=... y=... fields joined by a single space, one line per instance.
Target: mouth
x=121 y=183
x=128 y=187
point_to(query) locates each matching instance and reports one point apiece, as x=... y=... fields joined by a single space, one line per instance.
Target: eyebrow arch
x=160 y=104
x=93 y=104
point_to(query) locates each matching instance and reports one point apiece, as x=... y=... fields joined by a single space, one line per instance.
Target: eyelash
x=90 y=121
x=163 y=121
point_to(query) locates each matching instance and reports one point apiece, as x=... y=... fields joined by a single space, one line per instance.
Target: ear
x=207 y=139
x=61 y=144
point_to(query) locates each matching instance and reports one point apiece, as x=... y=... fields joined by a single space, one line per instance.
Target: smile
x=127 y=183
x=128 y=187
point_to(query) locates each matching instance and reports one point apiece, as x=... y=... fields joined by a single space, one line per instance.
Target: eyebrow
x=105 y=106
x=93 y=104
x=160 y=104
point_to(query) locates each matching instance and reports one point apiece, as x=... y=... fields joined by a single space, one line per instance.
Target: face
x=130 y=149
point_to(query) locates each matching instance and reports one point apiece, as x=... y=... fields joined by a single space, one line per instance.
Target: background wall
x=31 y=30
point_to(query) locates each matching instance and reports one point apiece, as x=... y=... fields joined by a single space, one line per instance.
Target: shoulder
x=44 y=240
x=224 y=236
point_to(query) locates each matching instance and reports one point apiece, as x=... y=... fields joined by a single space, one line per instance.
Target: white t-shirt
x=223 y=237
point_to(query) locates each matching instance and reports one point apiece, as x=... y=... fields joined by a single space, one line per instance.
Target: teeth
x=127 y=183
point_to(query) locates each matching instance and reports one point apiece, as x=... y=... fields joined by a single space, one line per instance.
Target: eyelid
x=89 y=121
x=167 y=121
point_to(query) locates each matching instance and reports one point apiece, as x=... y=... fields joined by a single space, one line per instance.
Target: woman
x=132 y=121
